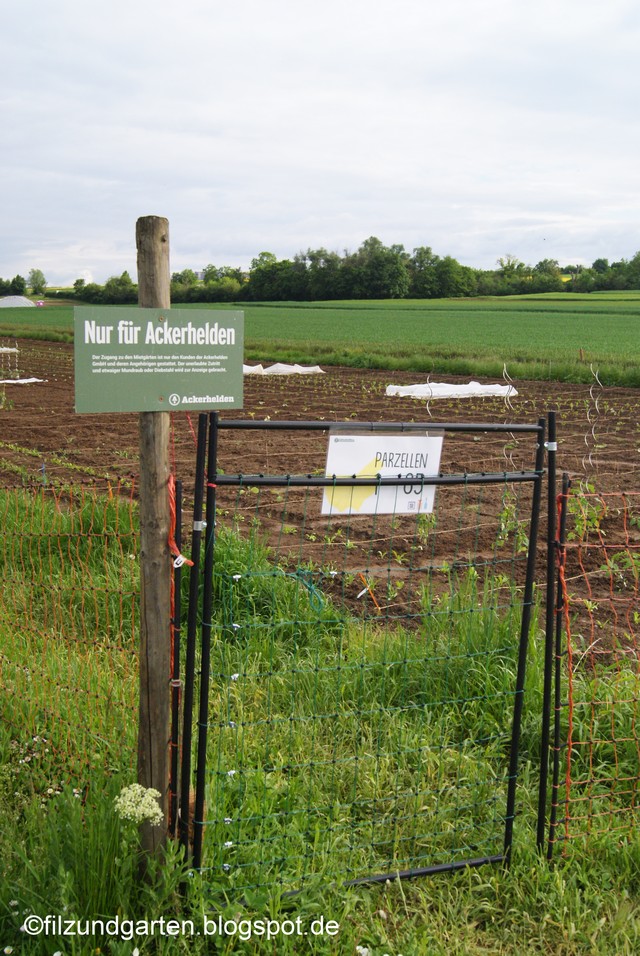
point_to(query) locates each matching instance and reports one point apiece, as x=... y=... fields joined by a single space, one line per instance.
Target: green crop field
x=540 y=337
x=561 y=337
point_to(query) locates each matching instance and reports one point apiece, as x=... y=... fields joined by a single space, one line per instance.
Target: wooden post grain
x=152 y=242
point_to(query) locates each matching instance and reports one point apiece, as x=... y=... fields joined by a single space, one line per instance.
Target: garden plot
x=43 y=440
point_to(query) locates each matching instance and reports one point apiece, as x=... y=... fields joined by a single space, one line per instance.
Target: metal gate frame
x=190 y=823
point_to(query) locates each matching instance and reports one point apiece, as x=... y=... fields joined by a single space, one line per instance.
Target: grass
x=70 y=578
x=545 y=337
x=305 y=697
x=358 y=750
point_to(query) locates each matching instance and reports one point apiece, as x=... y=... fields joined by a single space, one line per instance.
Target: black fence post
x=207 y=614
x=550 y=613
x=192 y=628
x=559 y=614
x=524 y=643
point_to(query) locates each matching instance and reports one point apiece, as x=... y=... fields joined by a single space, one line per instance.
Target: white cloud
x=478 y=127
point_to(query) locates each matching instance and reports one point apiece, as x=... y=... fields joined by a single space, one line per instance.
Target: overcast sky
x=477 y=127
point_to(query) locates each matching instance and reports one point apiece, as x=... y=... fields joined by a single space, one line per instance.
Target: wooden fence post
x=152 y=242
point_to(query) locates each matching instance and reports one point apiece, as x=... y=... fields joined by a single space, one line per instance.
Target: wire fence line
x=357 y=718
x=596 y=784
x=68 y=619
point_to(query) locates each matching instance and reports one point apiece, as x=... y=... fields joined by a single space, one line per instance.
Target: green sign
x=155 y=360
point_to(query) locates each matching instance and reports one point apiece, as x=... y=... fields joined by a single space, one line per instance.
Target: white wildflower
x=138 y=804
x=363 y=951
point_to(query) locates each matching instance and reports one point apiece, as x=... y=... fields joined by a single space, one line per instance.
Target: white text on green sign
x=158 y=359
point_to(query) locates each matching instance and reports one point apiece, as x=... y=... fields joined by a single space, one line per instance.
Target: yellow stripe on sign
x=351 y=499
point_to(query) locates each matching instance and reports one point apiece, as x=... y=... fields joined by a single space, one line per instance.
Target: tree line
x=35 y=283
x=374 y=271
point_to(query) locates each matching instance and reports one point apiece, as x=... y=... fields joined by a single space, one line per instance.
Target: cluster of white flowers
x=139 y=805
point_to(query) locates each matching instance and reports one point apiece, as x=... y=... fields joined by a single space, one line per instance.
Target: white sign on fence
x=354 y=454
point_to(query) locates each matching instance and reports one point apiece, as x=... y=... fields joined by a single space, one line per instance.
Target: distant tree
x=514 y=276
x=37 y=282
x=89 y=292
x=263 y=259
x=210 y=274
x=423 y=275
x=453 y=279
x=547 y=276
x=233 y=272
x=298 y=279
x=263 y=278
x=120 y=290
x=187 y=277
x=184 y=286
x=271 y=280
x=584 y=281
x=324 y=274
x=511 y=266
x=17 y=286
x=229 y=288
x=633 y=272
x=376 y=271
x=601 y=266
x=547 y=267
x=488 y=282
x=617 y=277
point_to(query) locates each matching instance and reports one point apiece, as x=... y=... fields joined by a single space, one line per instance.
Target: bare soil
x=598 y=428
x=43 y=442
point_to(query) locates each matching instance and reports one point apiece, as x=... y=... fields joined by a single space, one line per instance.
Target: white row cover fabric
x=443 y=390
x=280 y=368
x=16 y=302
x=21 y=381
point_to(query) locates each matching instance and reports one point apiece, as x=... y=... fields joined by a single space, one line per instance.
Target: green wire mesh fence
x=362 y=710
x=68 y=623
x=596 y=748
